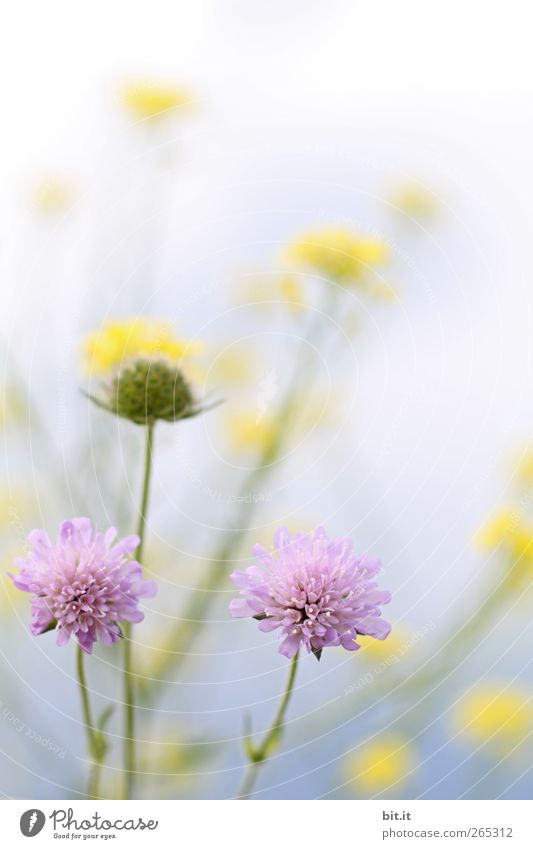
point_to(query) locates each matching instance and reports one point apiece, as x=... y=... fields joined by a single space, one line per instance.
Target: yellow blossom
x=250 y=431
x=10 y=596
x=234 y=365
x=381 y=765
x=508 y=531
x=12 y=406
x=119 y=341
x=414 y=201
x=523 y=467
x=340 y=254
x=498 y=716
x=272 y=290
x=53 y=195
x=153 y=101
x=394 y=647
x=292 y=292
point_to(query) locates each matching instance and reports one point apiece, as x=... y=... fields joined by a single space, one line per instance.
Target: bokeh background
x=410 y=123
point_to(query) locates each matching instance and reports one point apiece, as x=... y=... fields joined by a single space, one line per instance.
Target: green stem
x=197 y=607
x=94 y=743
x=129 y=679
x=258 y=755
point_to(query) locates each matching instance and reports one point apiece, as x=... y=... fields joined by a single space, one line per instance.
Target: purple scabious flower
x=315 y=589
x=83 y=585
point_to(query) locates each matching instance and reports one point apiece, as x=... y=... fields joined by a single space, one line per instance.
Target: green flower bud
x=144 y=391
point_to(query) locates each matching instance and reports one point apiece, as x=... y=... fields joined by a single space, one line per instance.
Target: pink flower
x=315 y=589
x=83 y=585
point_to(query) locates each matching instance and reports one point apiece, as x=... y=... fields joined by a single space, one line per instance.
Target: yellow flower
x=291 y=291
x=12 y=406
x=249 y=431
x=269 y=291
x=523 y=466
x=510 y=532
x=415 y=201
x=494 y=715
x=10 y=597
x=395 y=646
x=381 y=765
x=340 y=254
x=15 y=504
x=152 y=101
x=119 y=341
x=53 y=196
x=235 y=365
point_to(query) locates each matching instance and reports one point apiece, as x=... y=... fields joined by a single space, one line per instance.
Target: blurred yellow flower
x=235 y=365
x=292 y=292
x=10 y=597
x=508 y=530
x=270 y=290
x=381 y=765
x=153 y=101
x=120 y=341
x=395 y=646
x=338 y=253
x=523 y=467
x=414 y=201
x=12 y=406
x=249 y=431
x=14 y=507
x=53 y=195
x=500 y=717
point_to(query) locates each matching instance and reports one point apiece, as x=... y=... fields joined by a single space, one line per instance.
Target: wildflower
x=146 y=391
x=523 y=468
x=315 y=589
x=498 y=716
x=508 y=531
x=146 y=366
x=339 y=254
x=273 y=290
x=292 y=292
x=414 y=201
x=234 y=366
x=53 y=196
x=395 y=647
x=12 y=406
x=118 y=342
x=152 y=101
x=377 y=766
x=84 y=585
x=250 y=432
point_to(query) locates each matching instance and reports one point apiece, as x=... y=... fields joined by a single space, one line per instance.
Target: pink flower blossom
x=84 y=585
x=315 y=589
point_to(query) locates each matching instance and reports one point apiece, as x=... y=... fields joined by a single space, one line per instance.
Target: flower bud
x=145 y=390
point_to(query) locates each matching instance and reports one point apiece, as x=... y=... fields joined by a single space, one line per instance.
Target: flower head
x=118 y=342
x=315 y=589
x=145 y=391
x=414 y=201
x=512 y=534
x=153 y=101
x=378 y=766
x=339 y=254
x=144 y=365
x=83 y=585
x=496 y=715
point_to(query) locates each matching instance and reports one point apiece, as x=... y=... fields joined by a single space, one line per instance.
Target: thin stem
x=193 y=618
x=129 y=681
x=261 y=753
x=94 y=744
